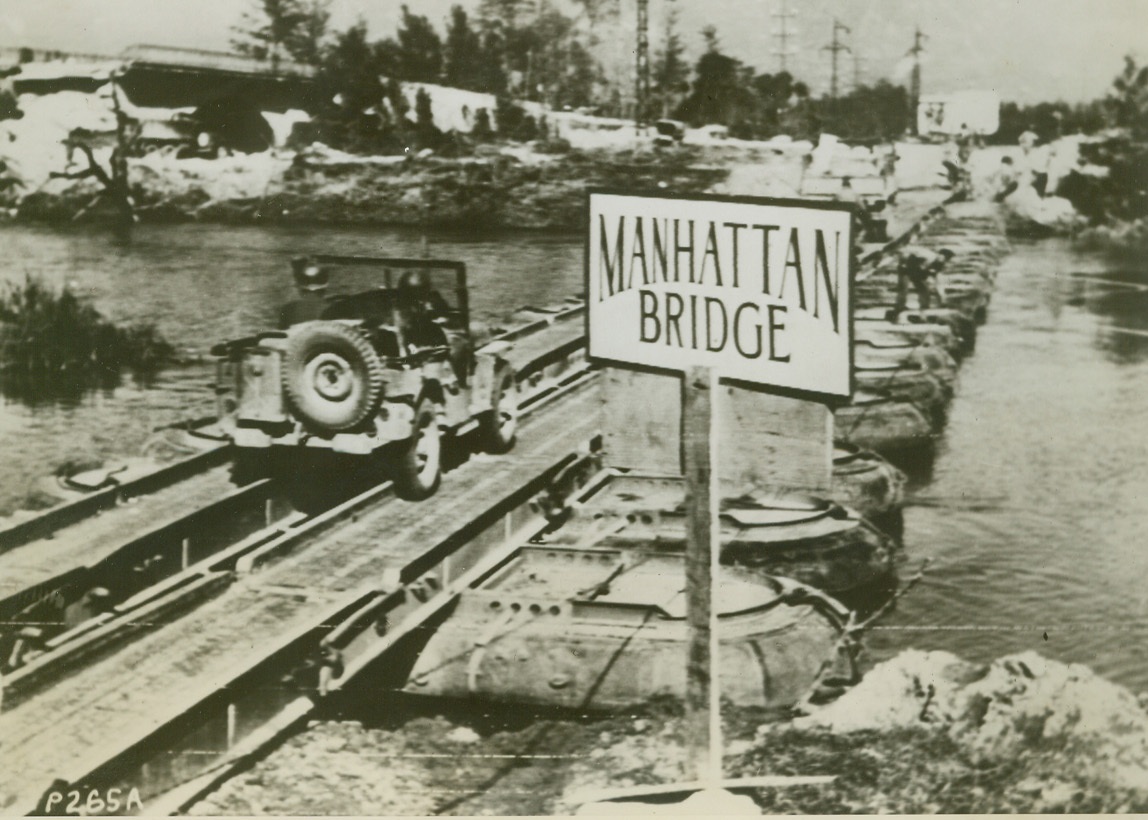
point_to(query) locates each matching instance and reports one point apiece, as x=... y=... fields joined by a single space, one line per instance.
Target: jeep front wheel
x=419 y=464
x=500 y=424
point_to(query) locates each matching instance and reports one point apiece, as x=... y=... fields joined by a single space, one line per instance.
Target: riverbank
x=538 y=185
x=506 y=189
x=923 y=733
x=505 y=186
x=545 y=192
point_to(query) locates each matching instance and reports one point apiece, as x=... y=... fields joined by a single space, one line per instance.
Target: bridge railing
x=174 y=56
x=10 y=55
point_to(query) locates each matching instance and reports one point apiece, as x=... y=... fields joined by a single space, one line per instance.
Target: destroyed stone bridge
x=162 y=76
x=170 y=77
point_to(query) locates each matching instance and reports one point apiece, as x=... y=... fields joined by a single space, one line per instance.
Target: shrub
x=1123 y=194
x=513 y=121
x=553 y=145
x=427 y=135
x=48 y=333
x=482 y=131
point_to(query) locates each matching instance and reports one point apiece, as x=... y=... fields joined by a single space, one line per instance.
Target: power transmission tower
x=915 y=83
x=642 y=81
x=858 y=61
x=835 y=48
x=782 y=34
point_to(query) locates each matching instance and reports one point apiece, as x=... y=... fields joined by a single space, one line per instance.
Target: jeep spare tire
x=331 y=375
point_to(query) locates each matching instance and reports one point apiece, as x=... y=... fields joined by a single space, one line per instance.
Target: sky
x=1027 y=50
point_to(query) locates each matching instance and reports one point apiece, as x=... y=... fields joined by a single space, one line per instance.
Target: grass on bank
x=922 y=771
x=47 y=333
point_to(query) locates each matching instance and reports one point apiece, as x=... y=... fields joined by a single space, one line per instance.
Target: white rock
x=894 y=694
x=463 y=734
x=1002 y=710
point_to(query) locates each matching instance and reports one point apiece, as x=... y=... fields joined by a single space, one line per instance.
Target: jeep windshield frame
x=393 y=267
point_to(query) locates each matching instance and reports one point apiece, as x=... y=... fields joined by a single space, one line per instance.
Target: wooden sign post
x=703 y=546
x=756 y=291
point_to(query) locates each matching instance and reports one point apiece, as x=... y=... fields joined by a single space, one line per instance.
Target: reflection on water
x=64 y=390
x=1118 y=295
x=1033 y=510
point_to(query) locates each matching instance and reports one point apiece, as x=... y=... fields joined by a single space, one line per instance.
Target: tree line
x=531 y=50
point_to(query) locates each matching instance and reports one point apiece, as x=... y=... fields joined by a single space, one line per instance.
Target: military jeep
x=389 y=370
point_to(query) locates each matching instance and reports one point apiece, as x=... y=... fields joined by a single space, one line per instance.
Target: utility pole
x=642 y=80
x=835 y=48
x=782 y=34
x=915 y=83
x=666 y=91
x=858 y=60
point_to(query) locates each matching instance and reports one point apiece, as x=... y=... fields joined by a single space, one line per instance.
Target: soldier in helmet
x=311 y=280
x=419 y=306
x=422 y=315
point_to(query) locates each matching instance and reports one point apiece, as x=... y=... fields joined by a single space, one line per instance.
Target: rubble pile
x=1014 y=705
x=170 y=187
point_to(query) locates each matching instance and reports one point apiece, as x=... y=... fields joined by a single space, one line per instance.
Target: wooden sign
x=757 y=289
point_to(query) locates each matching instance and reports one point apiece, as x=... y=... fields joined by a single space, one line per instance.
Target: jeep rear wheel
x=331 y=375
x=500 y=424
x=419 y=465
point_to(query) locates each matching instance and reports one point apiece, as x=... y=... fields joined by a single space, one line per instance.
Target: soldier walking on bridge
x=918 y=266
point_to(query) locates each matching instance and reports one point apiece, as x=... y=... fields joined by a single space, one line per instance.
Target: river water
x=1036 y=509
x=1033 y=513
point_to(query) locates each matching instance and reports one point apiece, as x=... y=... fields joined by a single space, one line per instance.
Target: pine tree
x=506 y=15
x=670 y=72
x=277 y=29
x=353 y=119
x=420 y=49
x=1128 y=99
x=462 y=52
x=492 y=73
x=305 y=43
x=427 y=135
x=721 y=91
x=549 y=40
x=575 y=86
x=597 y=12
